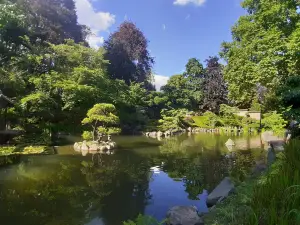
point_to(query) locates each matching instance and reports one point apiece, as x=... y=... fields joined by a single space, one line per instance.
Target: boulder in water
x=230 y=142
x=220 y=192
x=160 y=134
x=184 y=215
x=84 y=146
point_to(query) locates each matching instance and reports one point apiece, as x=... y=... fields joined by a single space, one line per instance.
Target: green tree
x=263 y=48
x=172 y=119
x=102 y=117
x=194 y=68
x=177 y=93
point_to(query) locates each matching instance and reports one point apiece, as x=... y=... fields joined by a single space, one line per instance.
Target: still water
x=144 y=176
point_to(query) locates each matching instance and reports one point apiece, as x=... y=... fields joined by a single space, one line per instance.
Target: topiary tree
x=103 y=119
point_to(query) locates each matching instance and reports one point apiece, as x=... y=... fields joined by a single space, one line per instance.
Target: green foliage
x=255 y=105
x=234 y=209
x=172 y=119
x=177 y=92
x=103 y=118
x=276 y=198
x=248 y=122
x=207 y=120
x=7 y=150
x=23 y=150
x=87 y=135
x=144 y=220
x=263 y=49
x=289 y=94
x=194 y=68
x=226 y=110
x=274 y=121
x=229 y=116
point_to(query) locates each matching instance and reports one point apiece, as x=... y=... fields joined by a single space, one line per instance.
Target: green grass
x=276 y=198
x=235 y=208
x=273 y=199
x=23 y=150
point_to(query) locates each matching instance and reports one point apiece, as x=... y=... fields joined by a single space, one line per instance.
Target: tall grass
x=276 y=197
x=273 y=199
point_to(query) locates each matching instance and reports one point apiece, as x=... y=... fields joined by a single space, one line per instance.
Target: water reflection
x=92 y=188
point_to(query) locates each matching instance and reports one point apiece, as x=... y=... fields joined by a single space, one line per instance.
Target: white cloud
x=160 y=81
x=164 y=27
x=97 y=21
x=186 y=2
x=95 y=41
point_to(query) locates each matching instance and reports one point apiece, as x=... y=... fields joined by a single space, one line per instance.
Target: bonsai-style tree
x=103 y=119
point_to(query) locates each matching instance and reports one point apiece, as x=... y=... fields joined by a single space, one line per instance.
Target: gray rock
x=230 y=142
x=160 y=134
x=93 y=146
x=84 y=146
x=184 y=215
x=278 y=146
x=167 y=133
x=220 y=192
x=259 y=168
x=77 y=147
x=153 y=134
x=271 y=156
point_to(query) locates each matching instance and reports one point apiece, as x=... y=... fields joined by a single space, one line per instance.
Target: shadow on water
x=144 y=176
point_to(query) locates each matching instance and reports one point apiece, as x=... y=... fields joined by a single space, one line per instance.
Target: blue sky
x=177 y=29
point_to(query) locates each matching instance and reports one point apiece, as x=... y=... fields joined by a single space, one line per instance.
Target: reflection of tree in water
x=200 y=168
x=124 y=181
x=51 y=199
x=75 y=192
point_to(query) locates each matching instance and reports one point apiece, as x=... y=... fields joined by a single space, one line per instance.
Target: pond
x=145 y=175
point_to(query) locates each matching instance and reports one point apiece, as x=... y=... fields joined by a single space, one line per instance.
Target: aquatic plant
x=144 y=220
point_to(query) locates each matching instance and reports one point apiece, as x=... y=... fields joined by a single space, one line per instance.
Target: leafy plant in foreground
x=144 y=220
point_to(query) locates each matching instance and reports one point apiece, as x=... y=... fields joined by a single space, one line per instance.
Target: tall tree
x=127 y=52
x=214 y=86
x=53 y=20
x=194 y=72
x=194 y=68
x=263 y=47
x=177 y=92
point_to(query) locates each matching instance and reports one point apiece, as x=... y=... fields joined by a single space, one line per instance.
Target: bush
x=232 y=121
x=172 y=119
x=7 y=150
x=11 y=150
x=33 y=139
x=207 y=120
x=274 y=121
x=87 y=135
x=228 y=111
x=144 y=220
x=248 y=122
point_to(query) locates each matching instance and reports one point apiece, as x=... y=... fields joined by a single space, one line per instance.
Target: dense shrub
x=207 y=120
x=273 y=121
x=172 y=119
